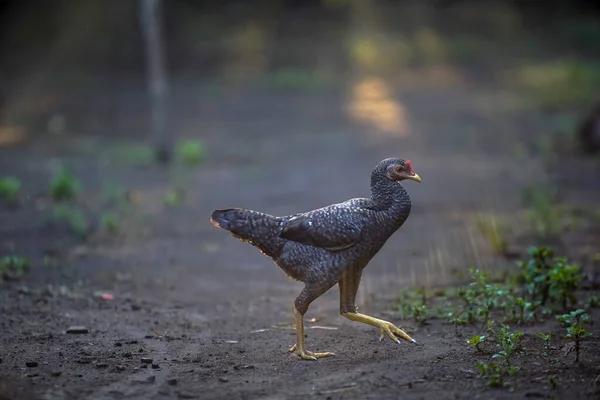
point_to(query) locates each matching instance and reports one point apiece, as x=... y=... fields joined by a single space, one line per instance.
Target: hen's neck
x=391 y=198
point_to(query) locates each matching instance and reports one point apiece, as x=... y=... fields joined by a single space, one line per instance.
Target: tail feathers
x=261 y=230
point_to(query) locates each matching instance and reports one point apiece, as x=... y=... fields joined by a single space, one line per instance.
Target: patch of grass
x=575 y=331
x=510 y=343
x=476 y=342
x=110 y=222
x=73 y=217
x=13 y=267
x=518 y=309
x=413 y=305
x=494 y=231
x=560 y=84
x=549 y=280
x=133 y=154
x=494 y=373
x=9 y=188
x=543 y=214
x=478 y=299
x=546 y=337
x=174 y=197
x=64 y=185
x=191 y=152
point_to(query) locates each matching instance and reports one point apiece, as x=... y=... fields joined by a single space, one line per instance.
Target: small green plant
x=13 y=267
x=552 y=380
x=174 y=197
x=544 y=213
x=494 y=373
x=549 y=279
x=9 y=188
x=482 y=294
x=494 y=231
x=575 y=331
x=518 y=309
x=413 y=305
x=476 y=341
x=456 y=321
x=592 y=301
x=64 y=185
x=510 y=343
x=110 y=222
x=73 y=217
x=191 y=152
x=546 y=337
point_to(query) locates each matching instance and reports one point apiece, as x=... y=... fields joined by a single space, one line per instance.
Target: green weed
x=191 y=152
x=494 y=373
x=9 y=188
x=476 y=341
x=13 y=267
x=413 y=305
x=518 y=309
x=546 y=337
x=110 y=222
x=549 y=279
x=560 y=84
x=543 y=214
x=64 y=185
x=494 y=231
x=575 y=331
x=73 y=217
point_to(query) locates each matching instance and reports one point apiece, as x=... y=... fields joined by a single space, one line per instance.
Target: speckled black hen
x=330 y=245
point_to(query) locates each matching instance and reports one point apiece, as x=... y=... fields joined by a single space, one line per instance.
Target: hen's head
x=397 y=169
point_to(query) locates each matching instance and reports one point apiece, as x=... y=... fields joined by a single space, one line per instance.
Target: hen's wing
x=334 y=228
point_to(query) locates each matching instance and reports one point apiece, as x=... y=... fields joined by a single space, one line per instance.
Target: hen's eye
x=399 y=168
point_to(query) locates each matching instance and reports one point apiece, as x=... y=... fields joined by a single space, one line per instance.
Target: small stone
x=55 y=374
x=155 y=366
x=131 y=342
x=136 y=307
x=32 y=374
x=172 y=382
x=101 y=365
x=120 y=368
x=144 y=366
x=118 y=344
x=84 y=361
x=77 y=330
x=140 y=350
x=149 y=337
x=31 y=364
x=146 y=360
x=127 y=355
x=223 y=379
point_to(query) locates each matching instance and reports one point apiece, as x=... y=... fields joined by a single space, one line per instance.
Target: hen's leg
x=348 y=288
x=307 y=296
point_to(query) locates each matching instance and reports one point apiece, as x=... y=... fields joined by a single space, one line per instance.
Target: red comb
x=407 y=162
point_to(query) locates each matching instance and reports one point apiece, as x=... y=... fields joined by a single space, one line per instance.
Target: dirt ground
x=211 y=316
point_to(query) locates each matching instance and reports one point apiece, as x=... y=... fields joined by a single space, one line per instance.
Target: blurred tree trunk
x=151 y=16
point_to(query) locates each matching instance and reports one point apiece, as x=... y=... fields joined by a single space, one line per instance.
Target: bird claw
x=309 y=355
x=393 y=332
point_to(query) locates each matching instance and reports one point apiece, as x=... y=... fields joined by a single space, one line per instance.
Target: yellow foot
x=393 y=332
x=309 y=355
x=387 y=328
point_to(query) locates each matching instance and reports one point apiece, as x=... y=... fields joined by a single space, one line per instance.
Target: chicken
x=330 y=245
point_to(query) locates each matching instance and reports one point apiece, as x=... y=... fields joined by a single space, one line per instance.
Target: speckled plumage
x=329 y=245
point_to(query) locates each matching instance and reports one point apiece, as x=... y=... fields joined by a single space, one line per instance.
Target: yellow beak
x=414 y=177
